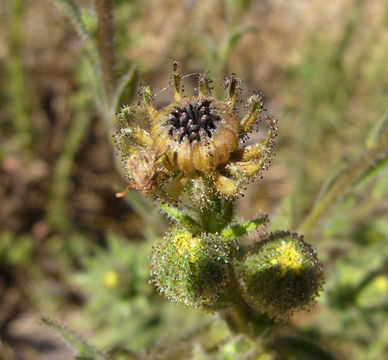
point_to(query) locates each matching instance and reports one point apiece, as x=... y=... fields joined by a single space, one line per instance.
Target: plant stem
x=237 y=316
x=18 y=106
x=104 y=9
x=57 y=212
x=209 y=221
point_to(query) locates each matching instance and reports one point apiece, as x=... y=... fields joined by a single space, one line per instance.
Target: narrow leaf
x=238 y=230
x=329 y=183
x=380 y=128
x=85 y=351
x=373 y=171
x=125 y=90
x=381 y=188
x=231 y=40
x=73 y=11
x=178 y=215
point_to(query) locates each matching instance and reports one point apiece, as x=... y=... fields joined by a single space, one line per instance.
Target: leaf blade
x=238 y=230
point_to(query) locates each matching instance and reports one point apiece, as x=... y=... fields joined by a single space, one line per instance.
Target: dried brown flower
x=201 y=140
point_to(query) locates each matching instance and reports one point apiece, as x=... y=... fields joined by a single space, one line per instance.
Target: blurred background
x=71 y=251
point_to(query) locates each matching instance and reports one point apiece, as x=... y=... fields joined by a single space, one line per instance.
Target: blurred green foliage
x=70 y=250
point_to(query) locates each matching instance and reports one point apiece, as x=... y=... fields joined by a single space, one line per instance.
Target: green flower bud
x=280 y=274
x=192 y=269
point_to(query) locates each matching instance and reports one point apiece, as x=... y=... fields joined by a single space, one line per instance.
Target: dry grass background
x=280 y=57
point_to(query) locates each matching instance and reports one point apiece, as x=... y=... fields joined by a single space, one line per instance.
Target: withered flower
x=143 y=170
x=195 y=142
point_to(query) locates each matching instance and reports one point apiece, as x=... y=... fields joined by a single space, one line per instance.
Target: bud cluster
x=195 y=146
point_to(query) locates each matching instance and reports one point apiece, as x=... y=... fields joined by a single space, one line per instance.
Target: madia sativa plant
x=193 y=160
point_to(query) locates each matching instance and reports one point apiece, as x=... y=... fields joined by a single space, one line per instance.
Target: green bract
x=280 y=274
x=191 y=269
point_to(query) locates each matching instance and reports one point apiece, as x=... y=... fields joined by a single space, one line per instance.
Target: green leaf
x=376 y=133
x=373 y=171
x=243 y=4
x=231 y=40
x=73 y=11
x=226 y=215
x=85 y=351
x=178 y=216
x=57 y=214
x=381 y=187
x=125 y=89
x=238 y=230
x=330 y=182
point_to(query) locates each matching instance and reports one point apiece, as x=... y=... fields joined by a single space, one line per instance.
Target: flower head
x=191 y=269
x=280 y=274
x=195 y=140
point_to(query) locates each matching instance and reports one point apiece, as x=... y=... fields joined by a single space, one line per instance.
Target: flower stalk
x=105 y=32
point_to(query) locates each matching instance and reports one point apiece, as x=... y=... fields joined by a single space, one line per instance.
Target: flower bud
x=280 y=274
x=192 y=269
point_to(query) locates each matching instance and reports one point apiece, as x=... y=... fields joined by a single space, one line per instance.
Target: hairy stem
x=18 y=106
x=104 y=9
x=238 y=315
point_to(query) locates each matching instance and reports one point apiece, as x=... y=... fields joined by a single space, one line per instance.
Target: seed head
x=197 y=134
x=199 y=140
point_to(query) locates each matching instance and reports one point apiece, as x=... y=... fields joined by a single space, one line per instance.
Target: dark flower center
x=193 y=120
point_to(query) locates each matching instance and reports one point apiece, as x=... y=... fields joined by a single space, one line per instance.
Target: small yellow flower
x=381 y=283
x=195 y=140
x=111 y=279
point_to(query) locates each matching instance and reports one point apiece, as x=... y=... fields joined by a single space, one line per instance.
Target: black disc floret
x=193 y=120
